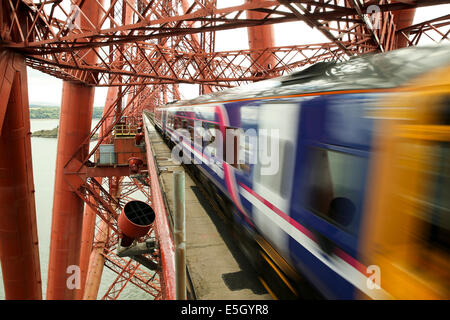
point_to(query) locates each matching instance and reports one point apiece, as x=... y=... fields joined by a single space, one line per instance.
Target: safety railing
x=125 y=130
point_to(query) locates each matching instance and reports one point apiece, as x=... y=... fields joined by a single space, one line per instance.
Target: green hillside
x=53 y=133
x=45 y=112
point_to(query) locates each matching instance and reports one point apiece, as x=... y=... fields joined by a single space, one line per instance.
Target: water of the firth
x=44 y=161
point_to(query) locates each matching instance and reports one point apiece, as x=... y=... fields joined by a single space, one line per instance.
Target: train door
x=329 y=191
x=273 y=172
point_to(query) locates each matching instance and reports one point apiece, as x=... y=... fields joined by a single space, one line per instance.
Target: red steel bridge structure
x=142 y=50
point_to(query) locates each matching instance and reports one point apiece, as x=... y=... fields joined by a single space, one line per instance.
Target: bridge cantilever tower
x=142 y=50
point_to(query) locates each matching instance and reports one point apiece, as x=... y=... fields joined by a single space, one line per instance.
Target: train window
x=232 y=146
x=190 y=128
x=175 y=122
x=247 y=148
x=210 y=147
x=334 y=186
x=184 y=124
x=238 y=149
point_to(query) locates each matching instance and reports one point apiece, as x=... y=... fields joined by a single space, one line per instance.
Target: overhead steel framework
x=142 y=50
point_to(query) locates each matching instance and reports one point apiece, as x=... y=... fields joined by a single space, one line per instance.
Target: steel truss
x=147 y=47
x=142 y=49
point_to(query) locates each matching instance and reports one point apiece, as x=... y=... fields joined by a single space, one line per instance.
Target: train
x=341 y=168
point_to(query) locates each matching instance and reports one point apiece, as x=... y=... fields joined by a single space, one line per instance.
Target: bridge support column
x=18 y=232
x=260 y=37
x=64 y=276
x=402 y=19
x=87 y=239
x=67 y=219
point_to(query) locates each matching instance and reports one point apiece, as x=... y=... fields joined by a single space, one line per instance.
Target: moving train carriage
x=351 y=179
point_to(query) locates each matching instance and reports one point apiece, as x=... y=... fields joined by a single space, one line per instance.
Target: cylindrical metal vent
x=134 y=221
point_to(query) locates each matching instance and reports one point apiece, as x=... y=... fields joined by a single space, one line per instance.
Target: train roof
x=370 y=71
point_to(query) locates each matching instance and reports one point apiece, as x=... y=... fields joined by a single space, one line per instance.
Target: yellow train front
x=406 y=232
x=359 y=203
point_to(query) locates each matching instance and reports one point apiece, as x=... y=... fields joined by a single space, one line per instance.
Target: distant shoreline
x=45 y=112
x=52 y=134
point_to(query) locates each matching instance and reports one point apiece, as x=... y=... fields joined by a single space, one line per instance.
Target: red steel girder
x=226 y=68
x=126 y=272
x=141 y=54
x=96 y=261
x=437 y=29
x=163 y=234
x=100 y=200
x=130 y=271
x=150 y=26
